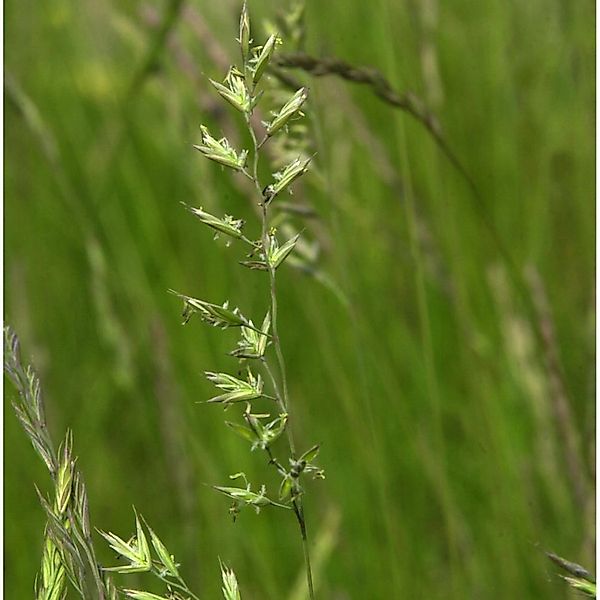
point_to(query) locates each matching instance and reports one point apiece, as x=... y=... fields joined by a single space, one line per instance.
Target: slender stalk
x=88 y=548
x=298 y=509
x=278 y=394
x=299 y=512
x=180 y=586
x=282 y=397
x=276 y=341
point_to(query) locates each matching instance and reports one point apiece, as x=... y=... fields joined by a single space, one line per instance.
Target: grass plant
x=241 y=89
x=69 y=559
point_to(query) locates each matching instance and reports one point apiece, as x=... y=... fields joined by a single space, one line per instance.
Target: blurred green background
x=452 y=390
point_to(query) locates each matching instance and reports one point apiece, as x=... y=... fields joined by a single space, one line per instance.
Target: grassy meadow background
x=444 y=357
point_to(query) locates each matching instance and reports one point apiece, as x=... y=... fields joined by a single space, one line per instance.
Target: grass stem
x=282 y=397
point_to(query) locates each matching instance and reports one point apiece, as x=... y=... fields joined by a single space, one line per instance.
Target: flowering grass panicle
x=259 y=349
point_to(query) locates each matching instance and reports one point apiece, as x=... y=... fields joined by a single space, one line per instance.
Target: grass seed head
x=263 y=57
x=220 y=151
x=292 y=108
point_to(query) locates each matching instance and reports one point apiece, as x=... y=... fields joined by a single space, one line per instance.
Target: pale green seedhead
x=227 y=225
x=285 y=177
x=253 y=343
x=236 y=390
x=244 y=35
x=234 y=90
x=289 y=110
x=262 y=57
x=220 y=151
x=230 y=587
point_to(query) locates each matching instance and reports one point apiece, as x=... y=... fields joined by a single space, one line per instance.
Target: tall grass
x=446 y=465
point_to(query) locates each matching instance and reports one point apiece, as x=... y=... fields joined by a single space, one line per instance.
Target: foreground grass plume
x=69 y=560
x=68 y=554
